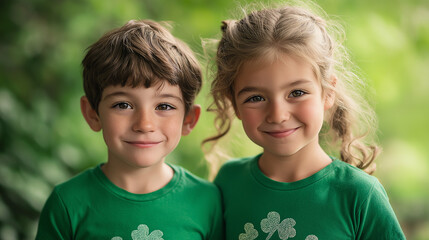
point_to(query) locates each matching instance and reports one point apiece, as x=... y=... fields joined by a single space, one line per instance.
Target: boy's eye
x=165 y=107
x=255 y=99
x=122 y=105
x=297 y=93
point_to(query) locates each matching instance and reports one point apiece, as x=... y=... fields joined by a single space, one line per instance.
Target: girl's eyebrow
x=289 y=85
x=248 y=89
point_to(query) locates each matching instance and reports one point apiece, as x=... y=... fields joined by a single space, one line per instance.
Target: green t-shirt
x=89 y=206
x=338 y=202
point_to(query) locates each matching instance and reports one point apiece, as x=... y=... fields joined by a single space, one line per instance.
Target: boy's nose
x=278 y=112
x=144 y=122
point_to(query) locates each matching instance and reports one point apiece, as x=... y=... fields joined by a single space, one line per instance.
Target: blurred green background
x=44 y=139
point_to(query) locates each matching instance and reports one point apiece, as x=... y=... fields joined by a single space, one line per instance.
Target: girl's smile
x=281 y=133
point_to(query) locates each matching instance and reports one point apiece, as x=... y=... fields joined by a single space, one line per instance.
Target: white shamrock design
x=142 y=233
x=272 y=223
x=311 y=237
x=250 y=232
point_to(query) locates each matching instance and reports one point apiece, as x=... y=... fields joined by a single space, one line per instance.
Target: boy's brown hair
x=140 y=53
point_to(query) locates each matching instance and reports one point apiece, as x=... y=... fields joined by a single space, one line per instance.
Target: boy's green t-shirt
x=338 y=202
x=89 y=206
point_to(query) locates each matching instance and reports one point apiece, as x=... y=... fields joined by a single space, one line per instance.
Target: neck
x=139 y=180
x=295 y=167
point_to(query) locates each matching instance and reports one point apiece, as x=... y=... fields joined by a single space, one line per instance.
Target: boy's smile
x=143 y=144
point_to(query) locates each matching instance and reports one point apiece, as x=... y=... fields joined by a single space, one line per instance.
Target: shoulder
x=235 y=166
x=67 y=194
x=80 y=178
x=350 y=178
x=73 y=186
x=351 y=173
x=237 y=169
x=191 y=182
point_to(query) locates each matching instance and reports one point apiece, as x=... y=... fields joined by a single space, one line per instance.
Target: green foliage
x=44 y=140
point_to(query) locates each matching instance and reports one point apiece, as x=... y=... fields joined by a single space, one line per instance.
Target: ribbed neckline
x=269 y=183
x=121 y=193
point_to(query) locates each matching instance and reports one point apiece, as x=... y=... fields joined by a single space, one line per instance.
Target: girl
x=282 y=73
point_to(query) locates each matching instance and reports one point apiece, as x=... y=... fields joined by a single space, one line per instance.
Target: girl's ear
x=90 y=114
x=330 y=94
x=234 y=106
x=191 y=119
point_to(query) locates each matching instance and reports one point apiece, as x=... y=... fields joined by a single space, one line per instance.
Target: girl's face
x=281 y=106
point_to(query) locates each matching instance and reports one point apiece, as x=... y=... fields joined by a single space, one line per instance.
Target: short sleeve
x=54 y=222
x=376 y=217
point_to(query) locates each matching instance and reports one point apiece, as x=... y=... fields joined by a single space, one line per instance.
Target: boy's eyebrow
x=168 y=95
x=163 y=95
x=114 y=94
x=255 y=89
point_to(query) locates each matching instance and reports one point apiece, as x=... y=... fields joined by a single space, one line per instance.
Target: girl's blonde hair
x=297 y=31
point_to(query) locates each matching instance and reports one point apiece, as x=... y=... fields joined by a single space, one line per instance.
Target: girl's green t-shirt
x=338 y=202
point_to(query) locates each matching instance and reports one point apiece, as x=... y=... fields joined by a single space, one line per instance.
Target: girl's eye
x=122 y=105
x=165 y=107
x=255 y=99
x=297 y=93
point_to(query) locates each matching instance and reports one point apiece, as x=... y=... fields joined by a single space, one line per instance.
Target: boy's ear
x=90 y=114
x=330 y=94
x=191 y=119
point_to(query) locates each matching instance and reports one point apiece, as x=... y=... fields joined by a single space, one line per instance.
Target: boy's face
x=141 y=126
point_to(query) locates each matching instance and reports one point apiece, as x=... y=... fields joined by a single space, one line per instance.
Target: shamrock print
x=142 y=233
x=250 y=232
x=272 y=223
x=311 y=237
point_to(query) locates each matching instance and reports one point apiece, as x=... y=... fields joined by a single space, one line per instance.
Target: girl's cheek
x=250 y=118
x=313 y=111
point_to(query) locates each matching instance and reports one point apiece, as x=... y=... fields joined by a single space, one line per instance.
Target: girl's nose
x=278 y=112
x=144 y=122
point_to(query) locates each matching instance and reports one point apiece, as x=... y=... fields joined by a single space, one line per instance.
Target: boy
x=140 y=83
